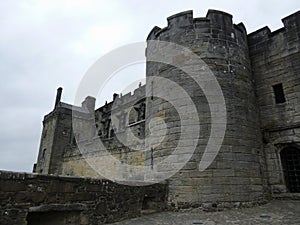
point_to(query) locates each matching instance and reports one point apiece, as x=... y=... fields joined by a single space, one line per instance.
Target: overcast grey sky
x=45 y=44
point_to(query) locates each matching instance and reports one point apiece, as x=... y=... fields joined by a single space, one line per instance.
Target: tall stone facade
x=259 y=76
x=275 y=59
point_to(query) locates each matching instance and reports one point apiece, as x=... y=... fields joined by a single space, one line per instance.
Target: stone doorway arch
x=290 y=160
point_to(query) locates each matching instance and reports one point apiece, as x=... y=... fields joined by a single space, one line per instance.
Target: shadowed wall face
x=45 y=199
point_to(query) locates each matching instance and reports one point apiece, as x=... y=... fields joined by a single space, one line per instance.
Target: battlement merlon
x=222 y=19
x=214 y=19
x=292 y=21
x=181 y=19
x=259 y=35
x=89 y=104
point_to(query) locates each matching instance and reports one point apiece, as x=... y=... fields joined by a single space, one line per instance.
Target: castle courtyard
x=274 y=212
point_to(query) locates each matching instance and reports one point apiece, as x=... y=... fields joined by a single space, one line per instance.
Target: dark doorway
x=53 y=218
x=290 y=159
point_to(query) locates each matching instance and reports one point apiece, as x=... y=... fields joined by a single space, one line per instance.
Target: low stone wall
x=44 y=199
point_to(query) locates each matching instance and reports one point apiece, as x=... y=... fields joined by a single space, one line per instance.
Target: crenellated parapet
x=216 y=25
x=286 y=35
x=275 y=61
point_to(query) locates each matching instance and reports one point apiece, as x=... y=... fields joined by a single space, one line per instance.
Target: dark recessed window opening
x=45 y=133
x=74 y=141
x=44 y=153
x=279 y=93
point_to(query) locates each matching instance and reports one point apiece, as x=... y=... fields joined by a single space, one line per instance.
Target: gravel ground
x=275 y=212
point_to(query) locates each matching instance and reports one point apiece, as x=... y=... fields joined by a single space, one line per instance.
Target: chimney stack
x=115 y=96
x=58 y=96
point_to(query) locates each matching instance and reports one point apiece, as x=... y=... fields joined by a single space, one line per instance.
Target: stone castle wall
x=42 y=199
x=65 y=158
x=275 y=58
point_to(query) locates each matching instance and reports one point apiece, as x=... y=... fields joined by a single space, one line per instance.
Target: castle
x=259 y=75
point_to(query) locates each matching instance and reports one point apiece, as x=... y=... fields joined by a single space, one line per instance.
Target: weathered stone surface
x=45 y=199
x=223 y=46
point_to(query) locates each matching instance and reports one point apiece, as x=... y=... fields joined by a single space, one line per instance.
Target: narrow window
x=44 y=153
x=74 y=141
x=112 y=133
x=45 y=133
x=152 y=159
x=279 y=93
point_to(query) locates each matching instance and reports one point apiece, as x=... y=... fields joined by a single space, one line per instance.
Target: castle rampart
x=35 y=198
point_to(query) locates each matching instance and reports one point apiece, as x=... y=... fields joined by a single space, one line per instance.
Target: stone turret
x=236 y=173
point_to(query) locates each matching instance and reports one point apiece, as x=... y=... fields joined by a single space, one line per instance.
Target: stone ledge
x=58 y=207
x=288 y=196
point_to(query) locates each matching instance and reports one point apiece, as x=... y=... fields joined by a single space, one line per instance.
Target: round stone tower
x=236 y=172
